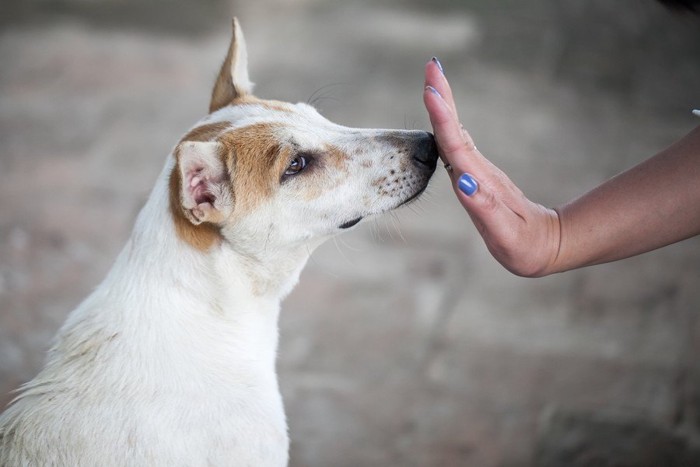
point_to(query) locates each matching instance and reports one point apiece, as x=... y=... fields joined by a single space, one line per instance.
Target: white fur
x=171 y=360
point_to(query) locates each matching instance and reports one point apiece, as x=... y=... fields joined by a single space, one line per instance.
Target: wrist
x=536 y=253
x=552 y=250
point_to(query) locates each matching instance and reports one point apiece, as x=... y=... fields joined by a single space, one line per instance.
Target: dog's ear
x=205 y=190
x=233 y=78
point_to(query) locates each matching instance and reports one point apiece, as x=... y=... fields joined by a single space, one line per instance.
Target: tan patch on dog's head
x=205 y=235
x=332 y=166
x=256 y=158
x=253 y=155
x=337 y=159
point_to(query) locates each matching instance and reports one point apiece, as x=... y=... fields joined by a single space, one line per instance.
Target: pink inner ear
x=197 y=185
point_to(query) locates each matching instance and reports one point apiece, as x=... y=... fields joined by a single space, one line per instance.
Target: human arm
x=650 y=205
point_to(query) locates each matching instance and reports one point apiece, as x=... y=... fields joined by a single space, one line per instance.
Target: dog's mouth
x=413 y=197
x=351 y=223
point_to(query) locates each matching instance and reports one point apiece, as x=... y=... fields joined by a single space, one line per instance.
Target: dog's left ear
x=233 y=78
x=205 y=190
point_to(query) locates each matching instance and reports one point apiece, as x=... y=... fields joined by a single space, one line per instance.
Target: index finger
x=451 y=136
x=452 y=140
x=435 y=77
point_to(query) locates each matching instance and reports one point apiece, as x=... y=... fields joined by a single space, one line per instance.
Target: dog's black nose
x=425 y=151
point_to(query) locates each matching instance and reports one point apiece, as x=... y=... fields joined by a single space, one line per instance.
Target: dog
x=171 y=360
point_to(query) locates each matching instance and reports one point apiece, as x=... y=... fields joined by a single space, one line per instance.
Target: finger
x=495 y=221
x=453 y=141
x=435 y=77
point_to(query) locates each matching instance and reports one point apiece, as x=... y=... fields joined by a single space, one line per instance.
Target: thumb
x=486 y=207
x=467 y=184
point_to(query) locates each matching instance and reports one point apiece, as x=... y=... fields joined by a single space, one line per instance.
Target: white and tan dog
x=171 y=361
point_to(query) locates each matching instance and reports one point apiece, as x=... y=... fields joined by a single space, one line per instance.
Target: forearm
x=653 y=204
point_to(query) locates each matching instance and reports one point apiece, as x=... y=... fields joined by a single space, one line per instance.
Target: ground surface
x=405 y=342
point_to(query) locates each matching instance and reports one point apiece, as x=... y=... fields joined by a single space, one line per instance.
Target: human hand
x=523 y=236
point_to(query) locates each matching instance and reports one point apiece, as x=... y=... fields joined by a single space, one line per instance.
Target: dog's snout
x=420 y=146
x=425 y=152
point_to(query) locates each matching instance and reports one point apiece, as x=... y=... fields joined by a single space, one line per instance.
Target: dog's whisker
x=348 y=246
x=396 y=222
x=416 y=208
x=426 y=198
x=317 y=95
x=389 y=230
x=406 y=126
x=336 y=242
x=317 y=101
x=321 y=267
x=378 y=230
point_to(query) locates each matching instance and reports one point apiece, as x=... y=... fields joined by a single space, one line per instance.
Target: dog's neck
x=164 y=280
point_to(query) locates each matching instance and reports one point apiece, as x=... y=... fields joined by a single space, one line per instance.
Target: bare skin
x=651 y=205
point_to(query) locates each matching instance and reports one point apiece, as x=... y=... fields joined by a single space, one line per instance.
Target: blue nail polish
x=439 y=65
x=433 y=90
x=467 y=184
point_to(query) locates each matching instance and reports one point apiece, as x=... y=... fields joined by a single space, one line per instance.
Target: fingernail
x=439 y=65
x=467 y=184
x=433 y=90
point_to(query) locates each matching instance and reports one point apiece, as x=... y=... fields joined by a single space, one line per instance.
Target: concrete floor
x=405 y=343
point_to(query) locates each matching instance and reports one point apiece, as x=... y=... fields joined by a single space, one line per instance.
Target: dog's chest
x=175 y=388
x=168 y=426
x=208 y=405
x=233 y=432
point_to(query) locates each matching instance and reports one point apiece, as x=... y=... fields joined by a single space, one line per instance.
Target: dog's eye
x=297 y=165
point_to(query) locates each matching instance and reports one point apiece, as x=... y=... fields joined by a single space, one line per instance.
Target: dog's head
x=269 y=174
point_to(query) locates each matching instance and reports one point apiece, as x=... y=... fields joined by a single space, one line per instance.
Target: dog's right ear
x=205 y=190
x=233 y=78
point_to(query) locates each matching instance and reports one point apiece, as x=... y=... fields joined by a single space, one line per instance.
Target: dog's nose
x=425 y=152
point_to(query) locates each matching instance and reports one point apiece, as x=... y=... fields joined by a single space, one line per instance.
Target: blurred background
x=405 y=343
